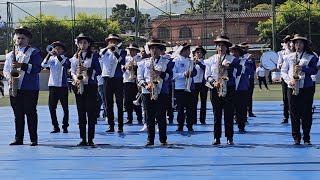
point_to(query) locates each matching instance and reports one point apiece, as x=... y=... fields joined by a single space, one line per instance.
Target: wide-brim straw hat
x=223 y=39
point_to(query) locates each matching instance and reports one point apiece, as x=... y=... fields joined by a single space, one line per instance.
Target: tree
x=52 y=28
x=292 y=17
x=126 y=18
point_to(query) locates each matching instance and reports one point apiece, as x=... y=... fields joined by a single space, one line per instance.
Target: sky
x=97 y=3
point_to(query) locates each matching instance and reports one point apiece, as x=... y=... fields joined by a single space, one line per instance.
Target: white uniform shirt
x=261 y=71
x=181 y=64
x=136 y=59
x=288 y=66
x=200 y=72
x=56 y=70
x=211 y=72
x=85 y=63
x=109 y=63
x=143 y=72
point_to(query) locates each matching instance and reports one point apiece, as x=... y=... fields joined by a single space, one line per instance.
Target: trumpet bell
x=49 y=48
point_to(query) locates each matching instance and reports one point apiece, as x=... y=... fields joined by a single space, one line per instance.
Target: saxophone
x=132 y=75
x=15 y=75
x=222 y=79
x=154 y=80
x=189 y=79
x=296 y=76
x=80 y=76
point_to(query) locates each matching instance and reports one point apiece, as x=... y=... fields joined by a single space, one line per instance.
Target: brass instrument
x=296 y=76
x=132 y=75
x=154 y=80
x=222 y=79
x=15 y=76
x=137 y=101
x=189 y=79
x=49 y=50
x=80 y=76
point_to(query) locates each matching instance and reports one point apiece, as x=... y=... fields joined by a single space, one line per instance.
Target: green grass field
x=275 y=94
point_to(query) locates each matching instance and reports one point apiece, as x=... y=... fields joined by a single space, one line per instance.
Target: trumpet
x=189 y=79
x=15 y=75
x=132 y=76
x=80 y=76
x=137 y=101
x=50 y=49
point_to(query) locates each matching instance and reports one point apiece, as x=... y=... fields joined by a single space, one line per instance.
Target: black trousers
x=250 y=91
x=155 y=110
x=301 y=109
x=169 y=108
x=240 y=107
x=201 y=89
x=25 y=103
x=185 y=101
x=111 y=87
x=226 y=103
x=130 y=91
x=285 y=99
x=58 y=94
x=86 y=106
x=262 y=79
x=1 y=88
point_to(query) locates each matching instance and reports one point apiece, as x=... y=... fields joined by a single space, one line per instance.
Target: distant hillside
x=62 y=11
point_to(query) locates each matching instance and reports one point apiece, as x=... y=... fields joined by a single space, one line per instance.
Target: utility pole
x=274 y=39
x=136 y=20
x=309 y=24
x=224 y=27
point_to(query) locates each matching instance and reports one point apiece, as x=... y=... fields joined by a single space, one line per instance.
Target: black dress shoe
x=242 y=130
x=164 y=143
x=82 y=143
x=252 y=115
x=110 y=129
x=179 y=129
x=203 y=123
x=284 y=121
x=216 y=141
x=307 y=143
x=140 y=122
x=120 y=130
x=297 y=142
x=90 y=143
x=55 y=130
x=230 y=142
x=34 y=143
x=190 y=129
x=16 y=142
x=128 y=122
x=149 y=143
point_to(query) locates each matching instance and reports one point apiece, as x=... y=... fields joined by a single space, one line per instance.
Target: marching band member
x=261 y=75
x=183 y=72
x=287 y=49
x=169 y=82
x=24 y=94
x=200 y=88
x=58 y=84
x=152 y=73
x=296 y=71
x=250 y=62
x=242 y=88
x=130 y=86
x=85 y=68
x=220 y=77
x=112 y=60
